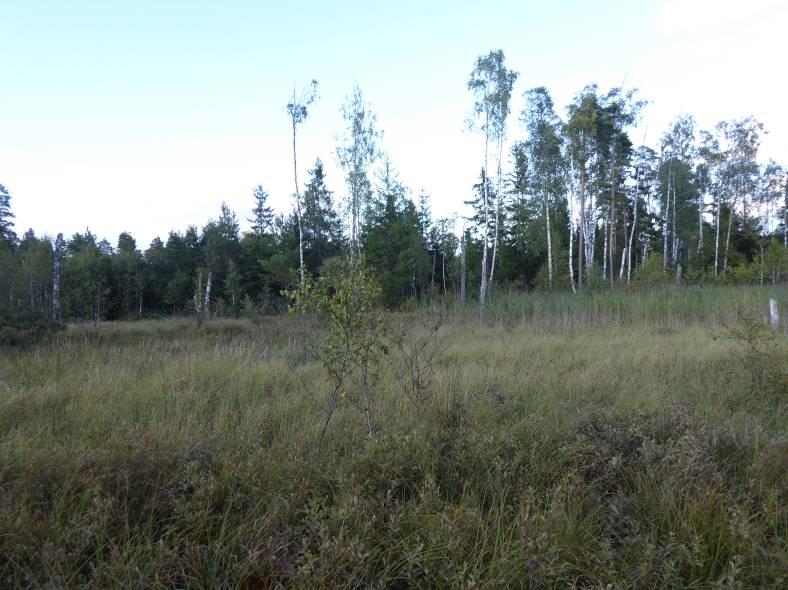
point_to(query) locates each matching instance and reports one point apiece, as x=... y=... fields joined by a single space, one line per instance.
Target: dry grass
x=572 y=447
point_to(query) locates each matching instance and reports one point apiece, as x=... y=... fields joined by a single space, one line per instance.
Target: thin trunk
x=717 y=236
x=462 y=267
x=549 y=244
x=728 y=240
x=197 y=300
x=207 y=302
x=571 y=254
x=665 y=223
x=612 y=219
x=432 y=277
x=571 y=199
x=298 y=204
x=591 y=235
x=785 y=215
x=581 y=228
x=634 y=227
x=675 y=235
x=701 y=206
x=604 y=252
x=626 y=246
x=761 y=281
x=497 y=212
x=443 y=271
x=96 y=307
x=332 y=404
x=56 y=279
x=485 y=198
x=366 y=387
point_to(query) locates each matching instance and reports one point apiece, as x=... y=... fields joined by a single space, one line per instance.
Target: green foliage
x=347 y=298
x=7 y=233
x=393 y=242
x=761 y=357
x=651 y=273
x=321 y=224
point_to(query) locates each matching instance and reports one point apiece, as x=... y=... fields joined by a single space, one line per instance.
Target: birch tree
x=581 y=132
x=677 y=147
x=297 y=108
x=491 y=84
x=743 y=137
x=642 y=229
x=620 y=111
x=357 y=152
x=60 y=246
x=543 y=152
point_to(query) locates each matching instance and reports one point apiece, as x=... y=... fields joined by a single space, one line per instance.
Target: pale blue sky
x=144 y=115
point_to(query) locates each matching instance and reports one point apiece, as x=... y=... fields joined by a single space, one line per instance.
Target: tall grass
x=666 y=306
x=568 y=442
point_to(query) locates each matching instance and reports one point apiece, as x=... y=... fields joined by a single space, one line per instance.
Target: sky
x=145 y=115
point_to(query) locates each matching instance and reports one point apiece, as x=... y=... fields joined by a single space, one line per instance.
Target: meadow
x=605 y=440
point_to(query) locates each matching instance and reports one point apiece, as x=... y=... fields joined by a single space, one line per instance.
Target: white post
x=774 y=314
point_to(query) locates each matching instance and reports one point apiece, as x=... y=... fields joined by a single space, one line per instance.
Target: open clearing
x=625 y=440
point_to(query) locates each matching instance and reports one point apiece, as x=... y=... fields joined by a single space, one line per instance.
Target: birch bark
x=59 y=244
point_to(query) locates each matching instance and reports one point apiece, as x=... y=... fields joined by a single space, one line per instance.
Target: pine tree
x=322 y=228
x=262 y=215
x=6 y=217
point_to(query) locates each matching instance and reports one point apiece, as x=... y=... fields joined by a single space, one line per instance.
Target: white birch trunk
x=485 y=234
x=549 y=244
x=727 y=241
x=593 y=221
x=571 y=207
x=634 y=227
x=612 y=212
x=198 y=297
x=581 y=237
x=675 y=235
x=701 y=206
x=207 y=302
x=626 y=245
x=604 y=251
x=497 y=214
x=717 y=236
x=665 y=226
x=56 y=279
x=462 y=267
x=298 y=206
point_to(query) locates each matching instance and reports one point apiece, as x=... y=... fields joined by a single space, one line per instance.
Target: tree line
x=574 y=204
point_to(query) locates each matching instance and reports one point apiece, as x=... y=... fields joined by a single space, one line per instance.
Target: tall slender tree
x=546 y=164
x=298 y=111
x=491 y=84
x=358 y=149
x=581 y=131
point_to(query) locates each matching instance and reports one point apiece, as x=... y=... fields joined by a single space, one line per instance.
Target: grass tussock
x=578 y=451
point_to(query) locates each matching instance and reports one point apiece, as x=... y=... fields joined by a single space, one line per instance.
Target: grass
x=612 y=438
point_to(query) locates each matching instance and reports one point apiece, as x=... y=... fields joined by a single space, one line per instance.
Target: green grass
x=612 y=438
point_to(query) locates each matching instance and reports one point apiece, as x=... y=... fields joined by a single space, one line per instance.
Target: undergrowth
x=608 y=454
